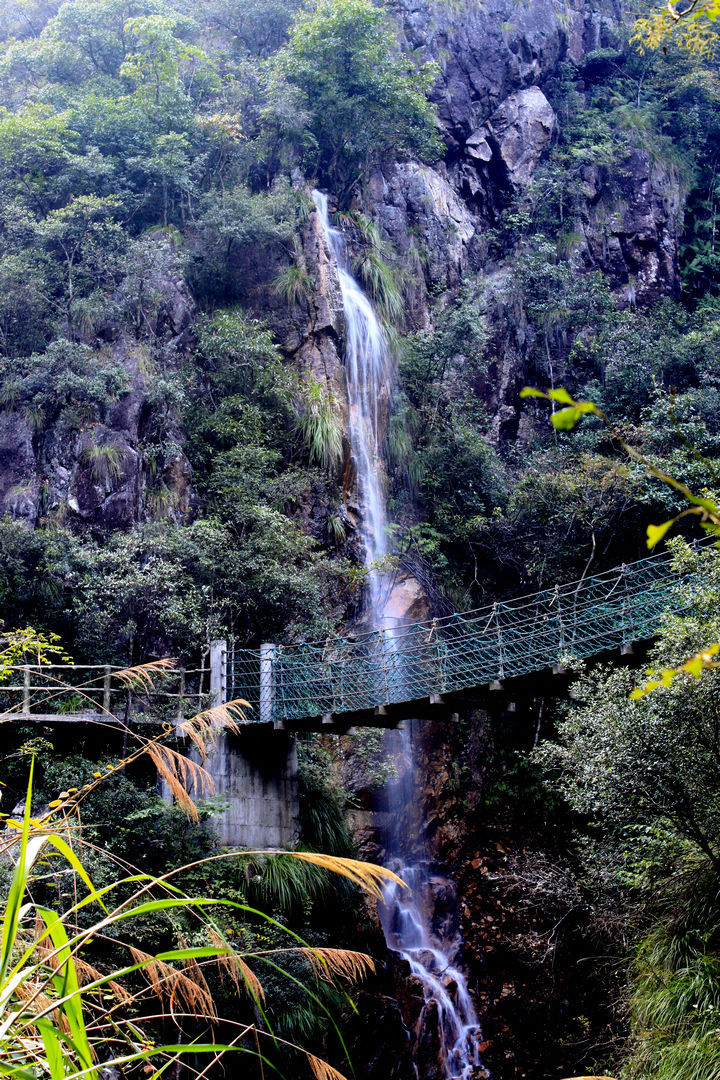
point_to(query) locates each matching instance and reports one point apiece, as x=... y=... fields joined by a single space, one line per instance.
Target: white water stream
x=367 y=362
x=406 y=914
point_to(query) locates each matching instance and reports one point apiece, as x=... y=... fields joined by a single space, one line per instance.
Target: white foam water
x=406 y=927
x=367 y=362
x=406 y=918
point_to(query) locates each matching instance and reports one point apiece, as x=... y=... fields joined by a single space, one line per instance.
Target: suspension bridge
x=389 y=674
x=493 y=657
x=501 y=651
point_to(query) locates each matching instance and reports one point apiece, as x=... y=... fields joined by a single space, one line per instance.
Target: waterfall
x=405 y=914
x=367 y=362
x=406 y=921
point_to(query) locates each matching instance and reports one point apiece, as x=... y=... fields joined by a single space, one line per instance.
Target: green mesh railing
x=461 y=651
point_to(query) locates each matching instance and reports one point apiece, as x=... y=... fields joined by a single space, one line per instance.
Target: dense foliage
x=641 y=774
x=172 y=458
x=139 y=148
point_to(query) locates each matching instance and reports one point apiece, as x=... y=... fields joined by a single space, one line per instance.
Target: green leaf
x=54 y=1055
x=16 y=892
x=201 y=952
x=707 y=504
x=67 y=852
x=530 y=391
x=67 y=985
x=566 y=419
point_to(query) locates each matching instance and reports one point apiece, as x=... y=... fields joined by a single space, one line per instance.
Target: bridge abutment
x=256 y=780
x=255 y=773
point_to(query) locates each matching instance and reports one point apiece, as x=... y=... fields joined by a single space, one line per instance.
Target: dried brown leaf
x=182 y=775
x=368 y=876
x=180 y=988
x=203 y=728
x=143 y=676
x=322 y=1071
x=233 y=965
x=342 y=962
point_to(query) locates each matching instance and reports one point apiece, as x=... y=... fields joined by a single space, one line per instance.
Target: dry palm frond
x=182 y=776
x=193 y=972
x=47 y=954
x=203 y=728
x=142 y=676
x=119 y=992
x=367 y=875
x=232 y=964
x=343 y=962
x=322 y=1071
x=29 y=991
x=178 y=987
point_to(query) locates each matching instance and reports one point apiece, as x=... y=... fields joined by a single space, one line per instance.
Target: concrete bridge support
x=256 y=781
x=255 y=776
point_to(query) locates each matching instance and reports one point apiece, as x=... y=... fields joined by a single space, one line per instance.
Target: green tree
x=162 y=66
x=366 y=100
x=88 y=241
x=641 y=774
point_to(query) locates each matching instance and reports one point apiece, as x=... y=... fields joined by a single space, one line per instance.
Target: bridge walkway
x=511 y=647
x=491 y=656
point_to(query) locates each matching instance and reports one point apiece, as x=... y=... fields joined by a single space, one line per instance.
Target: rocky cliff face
x=498 y=67
x=96 y=474
x=498 y=61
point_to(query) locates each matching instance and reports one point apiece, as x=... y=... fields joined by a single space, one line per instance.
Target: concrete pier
x=256 y=776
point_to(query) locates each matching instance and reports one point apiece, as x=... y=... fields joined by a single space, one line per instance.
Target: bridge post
x=218 y=673
x=107 y=689
x=268 y=654
x=26 y=689
x=501 y=654
x=562 y=645
x=627 y=608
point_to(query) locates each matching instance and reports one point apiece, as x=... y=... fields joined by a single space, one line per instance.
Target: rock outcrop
x=97 y=475
x=631 y=226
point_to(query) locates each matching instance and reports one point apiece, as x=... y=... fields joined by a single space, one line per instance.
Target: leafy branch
x=703 y=507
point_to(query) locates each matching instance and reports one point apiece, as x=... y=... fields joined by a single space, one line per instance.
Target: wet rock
x=385 y=1056
x=19 y=482
x=429 y=1051
x=426 y=221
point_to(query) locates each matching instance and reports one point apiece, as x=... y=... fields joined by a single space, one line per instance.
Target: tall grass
x=293 y=284
x=69 y=1011
x=105 y=461
x=319 y=425
x=384 y=283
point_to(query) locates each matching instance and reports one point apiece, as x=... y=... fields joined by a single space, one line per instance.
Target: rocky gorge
x=179 y=444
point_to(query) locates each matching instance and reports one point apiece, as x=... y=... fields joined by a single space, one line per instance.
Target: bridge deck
x=502 y=652
x=385 y=673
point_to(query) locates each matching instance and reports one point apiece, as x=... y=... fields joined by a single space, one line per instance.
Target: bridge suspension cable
x=463 y=651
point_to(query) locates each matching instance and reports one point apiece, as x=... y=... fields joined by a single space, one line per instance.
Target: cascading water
x=367 y=362
x=405 y=915
x=406 y=922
